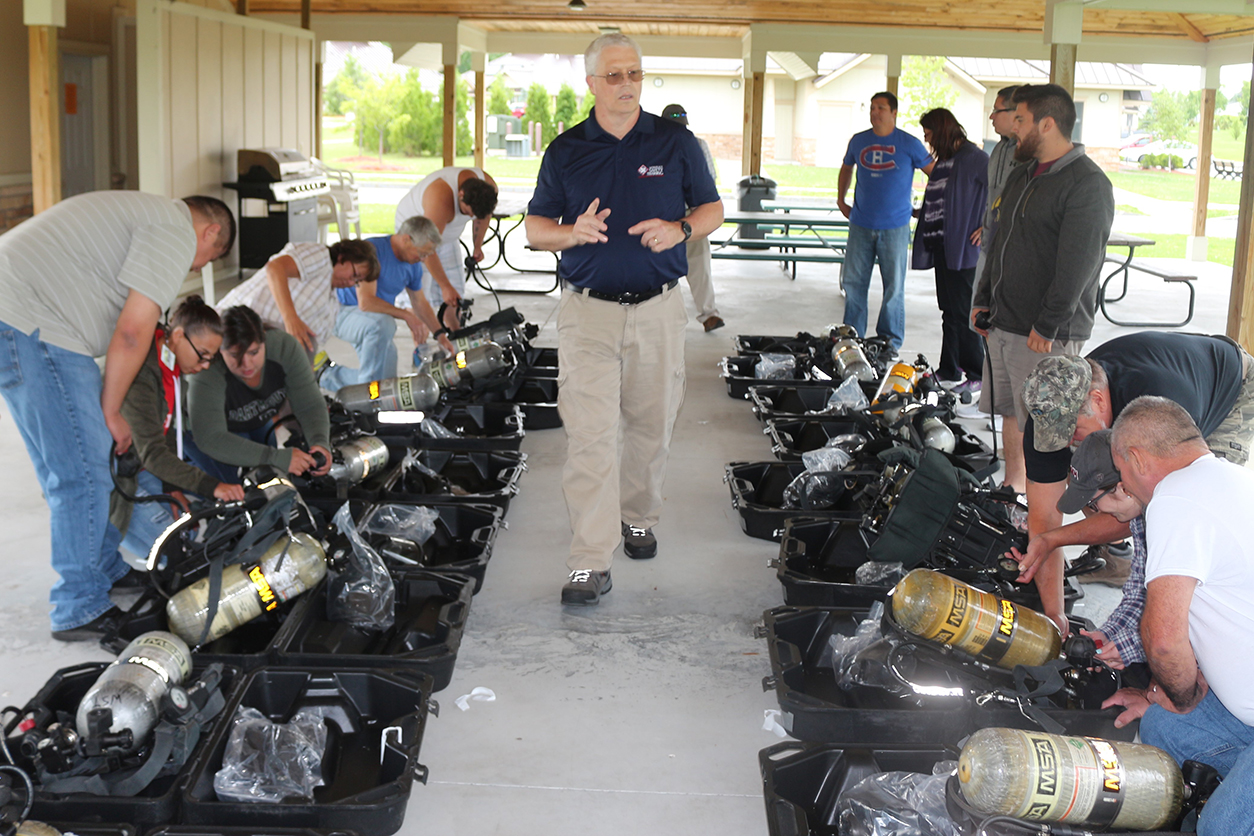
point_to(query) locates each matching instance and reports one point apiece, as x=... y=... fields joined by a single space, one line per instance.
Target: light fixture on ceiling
x=577 y=5
x=609 y=30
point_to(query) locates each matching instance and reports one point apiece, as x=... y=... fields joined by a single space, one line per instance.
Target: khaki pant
x=1007 y=365
x=1231 y=439
x=700 y=282
x=620 y=386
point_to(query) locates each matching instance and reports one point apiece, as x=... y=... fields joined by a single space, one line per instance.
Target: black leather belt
x=625 y=298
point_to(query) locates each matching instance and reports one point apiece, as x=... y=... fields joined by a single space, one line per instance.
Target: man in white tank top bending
x=450 y=198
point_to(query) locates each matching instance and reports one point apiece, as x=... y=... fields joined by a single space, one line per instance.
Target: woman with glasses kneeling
x=261 y=376
x=153 y=408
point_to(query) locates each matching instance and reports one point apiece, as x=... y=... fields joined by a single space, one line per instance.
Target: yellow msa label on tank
x=374 y=390
x=405 y=393
x=262 y=586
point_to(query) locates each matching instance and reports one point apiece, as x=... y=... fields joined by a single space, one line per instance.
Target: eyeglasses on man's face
x=1004 y=110
x=615 y=79
x=1092 y=503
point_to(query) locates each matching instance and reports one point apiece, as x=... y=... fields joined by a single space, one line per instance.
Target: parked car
x=1186 y=151
x=1137 y=139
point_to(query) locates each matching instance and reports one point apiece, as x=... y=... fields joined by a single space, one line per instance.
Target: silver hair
x=1099 y=383
x=593 y=53
x=421 y=231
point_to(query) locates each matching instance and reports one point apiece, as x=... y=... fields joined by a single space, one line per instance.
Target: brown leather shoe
x=714 y=322
x=1116 y=570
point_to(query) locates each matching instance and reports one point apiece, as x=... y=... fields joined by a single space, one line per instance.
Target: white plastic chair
x=342 y=205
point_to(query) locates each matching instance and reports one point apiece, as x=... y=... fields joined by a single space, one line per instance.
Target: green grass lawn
x=1223 y=146
x=1218 y=250
x=1167 y=185
x=1125 y=209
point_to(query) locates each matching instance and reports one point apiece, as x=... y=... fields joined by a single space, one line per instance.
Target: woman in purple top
x=952 y=211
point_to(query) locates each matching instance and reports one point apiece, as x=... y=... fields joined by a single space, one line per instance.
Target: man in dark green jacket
x=1039 y=285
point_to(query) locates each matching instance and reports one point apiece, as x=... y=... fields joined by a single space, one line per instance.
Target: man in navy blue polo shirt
x=367 y=317
x=879 y=219
x=611 y=196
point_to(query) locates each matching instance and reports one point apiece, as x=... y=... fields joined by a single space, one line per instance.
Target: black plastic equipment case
x=789 y=401
x=156 y=804
x=375 y=724
x=757 y=494
x=461 y=545
x=970 y=448
x=485 y=477
x=479 y=426
x=205 y=830
x=541 y=358
x=247 y=647
x=792 y=437
x=754 y=344
x=431 y=610
x=802 y=782
x=818 y=557
x=738 y=371
x=537 y=396
x=815 y=707
x=92 y=829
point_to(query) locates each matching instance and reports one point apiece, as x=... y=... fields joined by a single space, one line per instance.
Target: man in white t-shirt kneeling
x=1199 y=573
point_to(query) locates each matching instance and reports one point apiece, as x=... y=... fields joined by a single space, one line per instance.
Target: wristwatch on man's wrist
x=687 y=228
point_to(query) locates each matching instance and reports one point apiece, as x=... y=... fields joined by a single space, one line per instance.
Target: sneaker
x=322 y=362
x=967 y=390
x=102 y=625
x=639 y=543
x=133 y=579
x=1118 y=564
x=712 y=323
x=585 y=587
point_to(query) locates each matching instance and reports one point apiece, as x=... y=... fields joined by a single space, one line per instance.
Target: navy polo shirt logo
x=873 y=157
x=649 y=171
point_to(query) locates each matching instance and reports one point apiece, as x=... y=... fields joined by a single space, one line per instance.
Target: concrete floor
x=640 y=716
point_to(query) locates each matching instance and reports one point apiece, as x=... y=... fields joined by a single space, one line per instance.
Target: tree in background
x=375 y=108
x=566 y=111
x=585 y=106
x=924 y=85
x=417 y=128
x=340 y=90
x=1167 y=117
x=464 y=142
x=539 y=110
x=1244 y=97
x=498 y=98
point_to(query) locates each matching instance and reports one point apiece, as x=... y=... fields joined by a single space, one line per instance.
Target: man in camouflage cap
x=1068 y=397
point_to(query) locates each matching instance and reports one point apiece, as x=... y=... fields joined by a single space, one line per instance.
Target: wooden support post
x=1062 y=68
x=481 y=137
x=1196 y=243
x=1241 y=297
x=241 y=7
x=317 y=114
x=751 y=153
x=304 y=13
x=45 y=117
x=450 y=113
x=894 y=74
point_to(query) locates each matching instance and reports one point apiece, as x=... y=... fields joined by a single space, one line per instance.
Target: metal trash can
x=750 y=192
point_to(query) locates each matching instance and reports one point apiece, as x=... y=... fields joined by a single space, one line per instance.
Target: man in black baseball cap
x=700 y=281
x=1094 y=483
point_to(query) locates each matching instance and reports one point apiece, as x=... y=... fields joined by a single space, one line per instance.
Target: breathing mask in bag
x=271 y=762
x=361 y=591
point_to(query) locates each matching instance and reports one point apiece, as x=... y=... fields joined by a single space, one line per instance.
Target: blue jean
x=371 y=335
x=889 y=247
x=1210 y=734
x=54 y=396
x=222 y=471
x=148 y=519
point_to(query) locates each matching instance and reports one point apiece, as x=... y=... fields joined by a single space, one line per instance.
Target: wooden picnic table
x=821 y=248
x=1168 y=274
x=1122 y=239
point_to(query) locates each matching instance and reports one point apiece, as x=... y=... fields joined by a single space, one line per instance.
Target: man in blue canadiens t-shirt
x=879 y=220
x=611 y=197
x=367 y=317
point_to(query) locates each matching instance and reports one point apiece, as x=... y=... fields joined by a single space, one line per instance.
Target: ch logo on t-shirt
x=649 y=171
x=878 y=157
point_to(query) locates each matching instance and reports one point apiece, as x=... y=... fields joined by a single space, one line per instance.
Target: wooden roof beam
x=1188 y=28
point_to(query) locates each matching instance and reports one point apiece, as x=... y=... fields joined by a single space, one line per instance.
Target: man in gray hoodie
x=1039 y=285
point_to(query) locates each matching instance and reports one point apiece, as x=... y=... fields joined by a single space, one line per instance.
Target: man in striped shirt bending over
x=89 y=277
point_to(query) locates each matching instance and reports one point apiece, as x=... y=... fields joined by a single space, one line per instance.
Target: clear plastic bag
x=848 y=397
x=409 y=522
x=775 y=367
x=851 y=443
x=840 y=648
x=270 y=762
x=362 y=593
x=813 y=491
x=874 y=573
x=899 y=804
x=825 y=459
x=432 y=428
